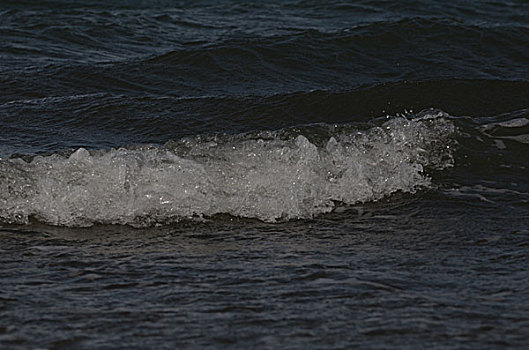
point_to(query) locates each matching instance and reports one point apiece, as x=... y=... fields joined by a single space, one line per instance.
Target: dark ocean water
x=281 y=174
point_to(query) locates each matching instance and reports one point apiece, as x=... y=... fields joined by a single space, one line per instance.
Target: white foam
x=270 y=176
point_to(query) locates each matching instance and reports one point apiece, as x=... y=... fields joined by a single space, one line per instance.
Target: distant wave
x=271 y=176
x=105 y=120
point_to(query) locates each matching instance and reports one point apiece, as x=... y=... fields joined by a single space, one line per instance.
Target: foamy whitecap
x=270 y=176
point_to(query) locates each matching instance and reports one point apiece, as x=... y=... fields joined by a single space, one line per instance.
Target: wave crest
x=271 y=176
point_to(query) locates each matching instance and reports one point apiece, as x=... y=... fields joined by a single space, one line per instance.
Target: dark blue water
x=288 y=174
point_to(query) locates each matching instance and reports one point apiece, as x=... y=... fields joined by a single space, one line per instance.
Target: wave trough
x=271 y=176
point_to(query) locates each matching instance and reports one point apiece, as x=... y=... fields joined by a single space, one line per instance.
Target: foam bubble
x=271 y=176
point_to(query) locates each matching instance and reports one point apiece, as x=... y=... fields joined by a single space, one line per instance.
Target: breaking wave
x=273 y=176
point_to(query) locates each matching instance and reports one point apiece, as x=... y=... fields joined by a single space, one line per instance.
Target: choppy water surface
x=282 y=175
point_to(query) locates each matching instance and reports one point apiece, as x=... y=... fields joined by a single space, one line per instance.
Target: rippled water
x=288 y=174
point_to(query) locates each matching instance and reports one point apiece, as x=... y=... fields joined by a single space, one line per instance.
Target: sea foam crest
x=270 y=176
